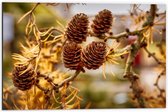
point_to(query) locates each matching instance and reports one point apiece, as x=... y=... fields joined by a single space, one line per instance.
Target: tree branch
x=69 y=79
x=132 y=77
x=153 y=55
x=162 y=91
x=57 y=86
x=150 y=18
x=125 y=34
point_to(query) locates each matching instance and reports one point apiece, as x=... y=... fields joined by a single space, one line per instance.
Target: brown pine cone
x=23 y=77
x=72 y=56
x=77 y=29
x=102 y=22
x=94 y=55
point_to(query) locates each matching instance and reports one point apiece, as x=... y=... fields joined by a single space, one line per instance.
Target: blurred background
x=113 y=92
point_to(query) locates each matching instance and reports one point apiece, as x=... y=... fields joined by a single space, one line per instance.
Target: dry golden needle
x=88 y=105
x=111 y=60
x=27 y=98
x=47 y=32
x=115 y=45
x=24 y=49
x=74 y=88
x=113 y=73
x=36 y=34
x=19 y=58
x=58 y=107
x=36 y=65
x=24 y=16
x=34 y=90
x=49 y=35
x=79 y=98
x=50 y=30
x=61 y=25
x=14 y=103
x=28 y=13
x=103 y=70
x=151 y=35
x=53 y=41
x=8 y=89
x=6 y=105
x=163 y=17
x=71 y=106
x=71 y=94
x=26 y=107
x=160 y=24
x=55 y=99
x=56 y=37
x=33 y=19
x=156 y=30
x=28 y=28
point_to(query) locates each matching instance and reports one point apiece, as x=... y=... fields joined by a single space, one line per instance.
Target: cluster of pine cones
x=74 y=56
x=93 y=56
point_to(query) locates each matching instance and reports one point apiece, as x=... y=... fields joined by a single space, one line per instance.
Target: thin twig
x=125 y=34
x=41 y=88
x=153 y=55
x=57 y=86
x=69 y=79
x=162 y=91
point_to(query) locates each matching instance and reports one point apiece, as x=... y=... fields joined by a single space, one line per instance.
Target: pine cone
x=72 y=56
x=23 y=77
x=77 y=29
x=102 y=22
x=94 y=55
